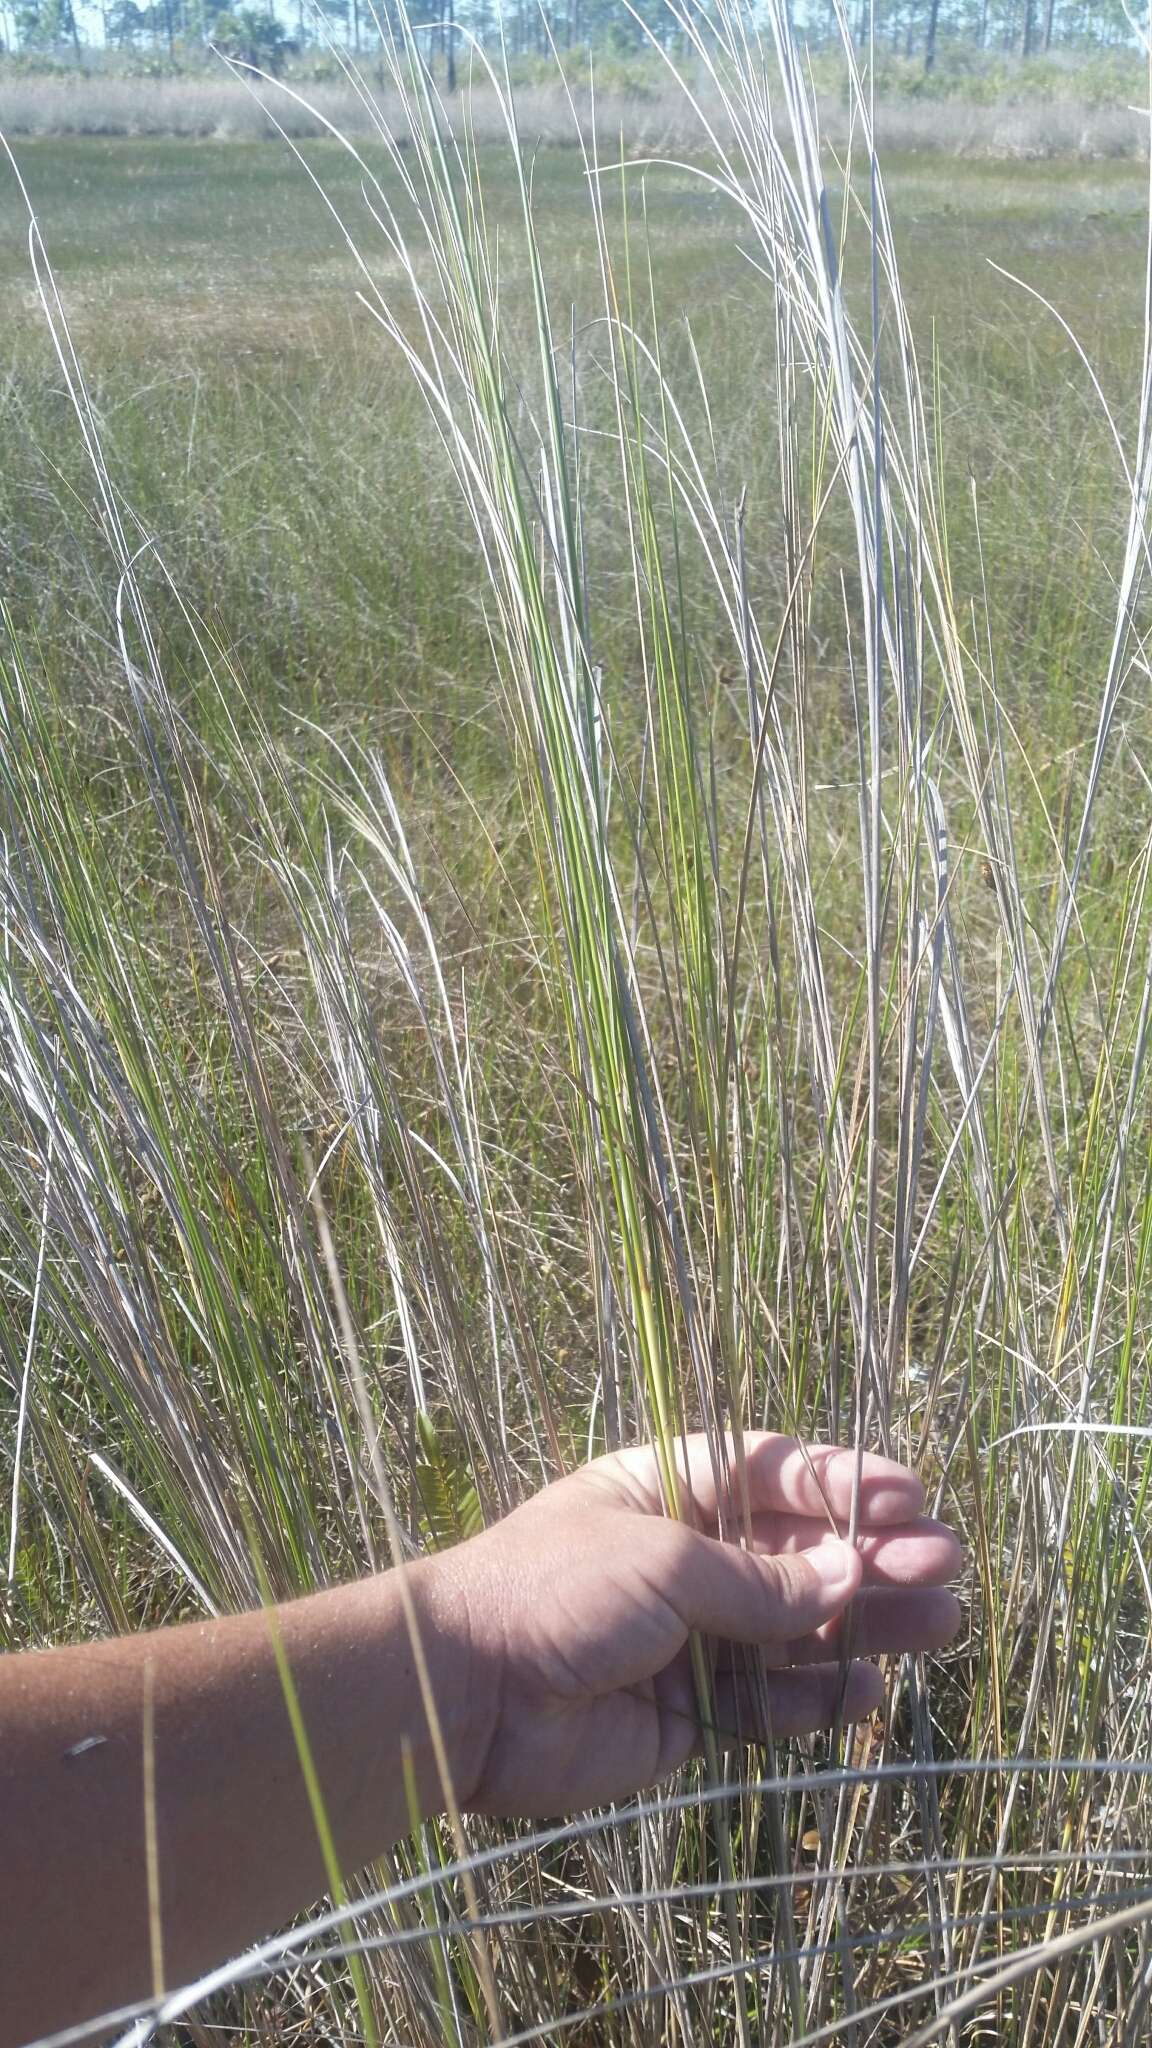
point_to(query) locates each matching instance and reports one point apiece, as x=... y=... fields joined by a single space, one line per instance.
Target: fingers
x=885 y=1621
x=782 y=1477
x=799 y=1690
x=751 y=1708
x=918 y=1553
x=721 y=1590
x=818 y=1479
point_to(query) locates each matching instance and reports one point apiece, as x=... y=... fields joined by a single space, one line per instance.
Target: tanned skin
x=558 y=1648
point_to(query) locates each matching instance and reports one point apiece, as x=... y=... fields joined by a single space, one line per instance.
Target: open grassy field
x=912 y=1178
x=260 y=428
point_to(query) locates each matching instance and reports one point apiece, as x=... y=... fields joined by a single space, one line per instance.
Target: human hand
x=581 y=1603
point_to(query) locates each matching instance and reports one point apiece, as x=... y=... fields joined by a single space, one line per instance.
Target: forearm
x=559 y=1656
x=237 y=1851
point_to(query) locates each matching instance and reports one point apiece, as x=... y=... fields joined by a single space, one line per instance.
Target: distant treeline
x=961 y=36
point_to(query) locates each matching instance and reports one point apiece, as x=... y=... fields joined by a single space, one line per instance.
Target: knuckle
x=789 y=1582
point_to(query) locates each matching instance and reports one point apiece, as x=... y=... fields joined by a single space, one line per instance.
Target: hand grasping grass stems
x=788 y=1114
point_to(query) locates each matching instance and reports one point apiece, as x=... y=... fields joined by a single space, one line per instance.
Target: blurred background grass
x=283 y=460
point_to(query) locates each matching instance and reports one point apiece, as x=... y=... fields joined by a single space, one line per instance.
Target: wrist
x=463 y=1677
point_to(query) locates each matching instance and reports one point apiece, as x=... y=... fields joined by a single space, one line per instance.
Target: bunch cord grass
x=819 y=1100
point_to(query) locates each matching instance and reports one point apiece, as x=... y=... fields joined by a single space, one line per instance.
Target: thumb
x=721 y=1590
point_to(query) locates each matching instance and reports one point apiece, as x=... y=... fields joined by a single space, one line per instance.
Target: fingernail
x=836 y=1565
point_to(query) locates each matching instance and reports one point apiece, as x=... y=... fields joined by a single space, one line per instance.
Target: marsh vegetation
x=590 y=725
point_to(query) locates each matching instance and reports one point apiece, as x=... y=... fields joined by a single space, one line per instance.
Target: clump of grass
x=817 y=1097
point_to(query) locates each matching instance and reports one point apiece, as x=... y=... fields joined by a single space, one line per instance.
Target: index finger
x=782 y=1474
x=814 y=1479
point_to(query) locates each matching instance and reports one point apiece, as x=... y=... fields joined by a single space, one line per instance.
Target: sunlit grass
x=644 y=820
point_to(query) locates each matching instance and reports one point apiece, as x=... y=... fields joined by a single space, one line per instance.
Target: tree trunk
x=930 y=34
